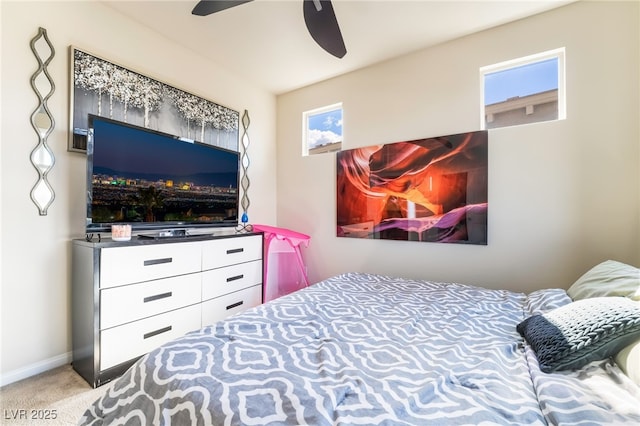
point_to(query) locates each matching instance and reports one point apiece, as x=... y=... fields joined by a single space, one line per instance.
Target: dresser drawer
x=119 y=305
x=123 y=343
x=126 y=265
x=218 y=282
x=230 y=251
x=221 y=307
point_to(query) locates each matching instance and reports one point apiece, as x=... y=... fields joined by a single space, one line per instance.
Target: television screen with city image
x=154 y=180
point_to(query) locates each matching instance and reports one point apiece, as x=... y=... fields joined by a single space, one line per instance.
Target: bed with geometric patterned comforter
x=362 y=349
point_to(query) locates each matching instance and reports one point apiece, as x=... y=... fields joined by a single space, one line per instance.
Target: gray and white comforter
x=361 y=349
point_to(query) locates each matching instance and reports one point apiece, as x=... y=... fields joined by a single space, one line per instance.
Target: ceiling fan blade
x=323 y=26
x=207 y=7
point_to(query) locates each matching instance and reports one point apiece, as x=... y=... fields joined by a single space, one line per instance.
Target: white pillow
x=628 y=359
x=609 y=278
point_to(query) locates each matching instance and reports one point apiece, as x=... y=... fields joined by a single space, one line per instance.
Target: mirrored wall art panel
x=102 y=88
x=244 y=181
x=42 y=121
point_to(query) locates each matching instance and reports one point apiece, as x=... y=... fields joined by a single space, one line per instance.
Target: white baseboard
x=36 y=368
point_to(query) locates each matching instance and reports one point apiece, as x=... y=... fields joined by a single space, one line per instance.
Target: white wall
x=563 y=195
x=35 y=250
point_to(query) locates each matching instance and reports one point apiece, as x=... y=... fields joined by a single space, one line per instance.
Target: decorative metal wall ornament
x=42 y=121
x=244 y=181
x=109 y=90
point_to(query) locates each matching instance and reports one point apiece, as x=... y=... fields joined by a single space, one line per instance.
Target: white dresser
x=131 y=297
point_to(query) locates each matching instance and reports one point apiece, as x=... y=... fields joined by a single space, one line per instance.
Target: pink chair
x=284 y=268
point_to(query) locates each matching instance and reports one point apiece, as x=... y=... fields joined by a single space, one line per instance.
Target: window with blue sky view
x=323 y=129
x=524 y=90
x=521 y=81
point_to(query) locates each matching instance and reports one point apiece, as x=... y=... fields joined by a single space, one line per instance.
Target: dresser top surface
x=136 y=240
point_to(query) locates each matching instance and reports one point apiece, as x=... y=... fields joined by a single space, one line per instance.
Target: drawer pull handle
x=237 y=277
x=235 y=305
x=236 y=250
x=152 y=262
x=158 y=331
x=157 y=297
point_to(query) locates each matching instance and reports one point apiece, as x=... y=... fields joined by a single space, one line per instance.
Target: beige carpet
x=60 y=392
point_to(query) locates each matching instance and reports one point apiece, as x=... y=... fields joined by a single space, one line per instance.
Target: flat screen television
x=154 y=180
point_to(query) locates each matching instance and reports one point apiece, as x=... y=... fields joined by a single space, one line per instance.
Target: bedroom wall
x=35 y=250
x=563 y=195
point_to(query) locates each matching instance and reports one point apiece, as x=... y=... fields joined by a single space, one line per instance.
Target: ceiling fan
x=318 y=16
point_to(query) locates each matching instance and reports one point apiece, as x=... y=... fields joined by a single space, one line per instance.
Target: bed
x=363 y=349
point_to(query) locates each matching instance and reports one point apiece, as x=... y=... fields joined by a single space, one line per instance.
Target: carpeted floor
x=59 y=393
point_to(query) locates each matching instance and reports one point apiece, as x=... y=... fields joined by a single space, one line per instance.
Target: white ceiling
x=267 y=42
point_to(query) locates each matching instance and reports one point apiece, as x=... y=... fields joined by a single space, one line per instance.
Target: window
x=525 y=90
x=322 y=130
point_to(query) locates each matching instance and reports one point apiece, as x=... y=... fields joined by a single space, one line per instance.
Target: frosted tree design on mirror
x=42 y=121
x=102 y=88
